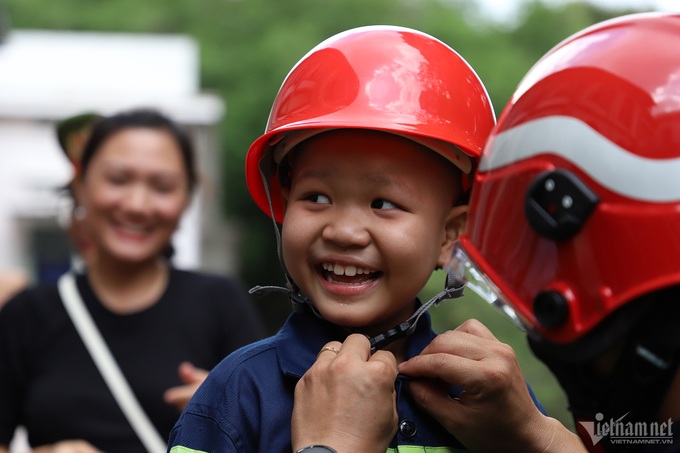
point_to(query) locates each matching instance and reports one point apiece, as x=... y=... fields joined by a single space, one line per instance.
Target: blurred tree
x=247 y=48
x=4 y=22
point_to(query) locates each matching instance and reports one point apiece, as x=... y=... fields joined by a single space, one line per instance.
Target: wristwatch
x=316 y=449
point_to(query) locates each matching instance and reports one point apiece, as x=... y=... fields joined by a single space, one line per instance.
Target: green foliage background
x=248 y=46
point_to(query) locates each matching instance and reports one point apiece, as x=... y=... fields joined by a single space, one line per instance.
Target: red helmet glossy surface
x=385 y=78
x=575 y=210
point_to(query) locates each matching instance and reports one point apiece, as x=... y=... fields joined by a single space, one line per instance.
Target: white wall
x=46 y=76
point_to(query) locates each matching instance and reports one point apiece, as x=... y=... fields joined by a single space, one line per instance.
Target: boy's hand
x=495 y=411
x=346 y=400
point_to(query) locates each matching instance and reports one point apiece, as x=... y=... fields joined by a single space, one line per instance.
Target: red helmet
x=384 y=78
x=575 y=210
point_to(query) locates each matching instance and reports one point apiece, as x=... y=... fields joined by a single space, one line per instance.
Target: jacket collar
x=303 y=335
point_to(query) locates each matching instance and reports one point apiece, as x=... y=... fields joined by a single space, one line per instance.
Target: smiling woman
x=165 y=327
x=134 y=185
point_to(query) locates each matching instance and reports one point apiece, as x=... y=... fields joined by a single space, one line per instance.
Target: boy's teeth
x=349 y=271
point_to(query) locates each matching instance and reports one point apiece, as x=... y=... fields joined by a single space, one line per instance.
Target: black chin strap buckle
x=406 y=328
x=402 y=330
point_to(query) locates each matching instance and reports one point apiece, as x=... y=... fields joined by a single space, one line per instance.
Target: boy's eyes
x=379 y=203
x=382 y=204
x=318 y=198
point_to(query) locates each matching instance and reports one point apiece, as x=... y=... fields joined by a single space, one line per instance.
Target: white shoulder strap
x=107 y=365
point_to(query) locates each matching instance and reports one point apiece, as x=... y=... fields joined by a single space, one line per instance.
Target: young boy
x=365 y=161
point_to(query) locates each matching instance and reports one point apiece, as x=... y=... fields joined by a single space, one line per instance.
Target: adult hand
x=68 y=446
x=192 y=377
x=495 y=411
x=346 y=400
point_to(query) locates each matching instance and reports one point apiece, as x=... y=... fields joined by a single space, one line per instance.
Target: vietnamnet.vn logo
x=622 y=432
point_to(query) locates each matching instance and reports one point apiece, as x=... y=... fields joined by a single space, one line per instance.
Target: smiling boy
x=368 y=147
x=368 y=216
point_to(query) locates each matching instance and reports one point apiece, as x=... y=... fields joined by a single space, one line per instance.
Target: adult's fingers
x=387 y=358
x=329 y=351
x=356 y=350
x=432 y=397
x=443 y=367
x=357 y=346
x=347 y=399
x=465 y=359
x=471 y=340
x=475 y=327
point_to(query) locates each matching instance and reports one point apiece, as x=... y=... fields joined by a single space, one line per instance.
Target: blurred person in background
x=11 y=282
x=165 y=327
x=573 y=232
x=72 y=134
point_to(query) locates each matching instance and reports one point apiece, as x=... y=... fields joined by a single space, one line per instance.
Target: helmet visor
x=461 y=267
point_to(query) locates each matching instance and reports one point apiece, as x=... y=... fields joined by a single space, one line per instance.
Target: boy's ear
x=454 y=226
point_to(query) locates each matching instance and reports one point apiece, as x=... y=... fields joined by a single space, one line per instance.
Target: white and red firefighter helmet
x=575 y=209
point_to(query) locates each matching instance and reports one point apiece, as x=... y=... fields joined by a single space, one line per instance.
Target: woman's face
x=134 y=191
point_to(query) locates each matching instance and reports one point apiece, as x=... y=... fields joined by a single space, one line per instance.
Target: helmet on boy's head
x=384 y=78
x=575 y=210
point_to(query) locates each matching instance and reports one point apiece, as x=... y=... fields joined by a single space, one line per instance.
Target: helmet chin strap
x=402 y=330
x=267 y=170
x=452 y=290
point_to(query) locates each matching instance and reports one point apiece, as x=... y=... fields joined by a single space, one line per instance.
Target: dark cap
x=73 y=132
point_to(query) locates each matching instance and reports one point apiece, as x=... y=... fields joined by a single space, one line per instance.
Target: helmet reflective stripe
x=633 y=176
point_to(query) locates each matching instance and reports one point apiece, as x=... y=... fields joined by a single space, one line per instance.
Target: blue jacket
x=245 y=404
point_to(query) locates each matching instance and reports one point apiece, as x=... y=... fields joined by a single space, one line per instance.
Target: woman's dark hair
x=105 y=127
